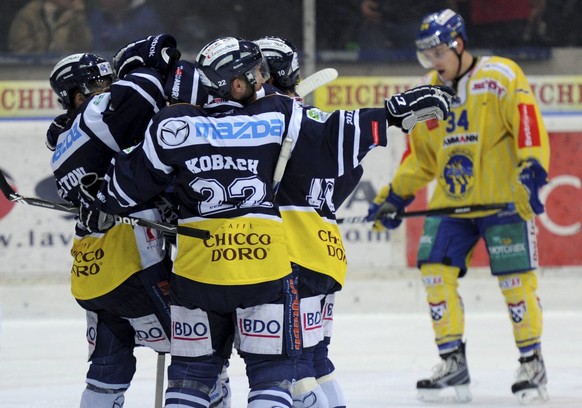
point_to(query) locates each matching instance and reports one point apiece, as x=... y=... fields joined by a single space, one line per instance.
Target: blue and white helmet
x=84 y=73
x=442 y=27
x=225 y=59
x=283 y=61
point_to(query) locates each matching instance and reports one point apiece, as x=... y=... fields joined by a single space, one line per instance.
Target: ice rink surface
x=382 y=345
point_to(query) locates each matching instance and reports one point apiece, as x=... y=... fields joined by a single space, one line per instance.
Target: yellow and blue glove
x=529 y=177
x=385 y=206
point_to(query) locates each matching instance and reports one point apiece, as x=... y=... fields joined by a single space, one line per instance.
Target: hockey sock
x=333 y=391
x=525 y=311
x=446 y=306
x=308 y=394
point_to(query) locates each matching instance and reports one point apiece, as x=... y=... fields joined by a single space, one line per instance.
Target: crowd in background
x=62 y=26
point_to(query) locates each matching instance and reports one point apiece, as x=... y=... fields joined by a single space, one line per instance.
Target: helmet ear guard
x=84 y=73
x=442 y=27
x=226 y=59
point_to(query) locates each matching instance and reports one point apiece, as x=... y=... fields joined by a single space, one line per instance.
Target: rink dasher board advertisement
x=555 y=94
x=35 y=242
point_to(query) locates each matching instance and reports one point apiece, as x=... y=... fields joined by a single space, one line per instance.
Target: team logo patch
x=174 y=132
x=517 y=311
x=318 y=116
x=437 y=310
x=458 y=178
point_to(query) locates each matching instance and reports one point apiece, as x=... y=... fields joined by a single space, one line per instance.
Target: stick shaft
x=433 y=213
x=12 y=195
x=160 y=375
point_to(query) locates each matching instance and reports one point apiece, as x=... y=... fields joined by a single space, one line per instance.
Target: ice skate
x=450 y=374
x=531 y=380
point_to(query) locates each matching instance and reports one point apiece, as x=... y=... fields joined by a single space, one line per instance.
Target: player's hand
x=90 y=217
x=529 y=177
x=158 y=52
x=385 y=207
x=59 y=125
x=418 y=104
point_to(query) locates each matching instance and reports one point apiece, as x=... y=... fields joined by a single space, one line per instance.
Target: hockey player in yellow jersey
x=493 y=149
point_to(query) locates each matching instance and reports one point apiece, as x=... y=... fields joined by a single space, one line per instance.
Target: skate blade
x=533 y=395
x=459 y=393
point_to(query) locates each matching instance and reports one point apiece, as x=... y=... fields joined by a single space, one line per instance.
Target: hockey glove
x=90 y=217
x=59 y=125
x=418 y=104
x=529 y=177
x=158 y=52
x=167 y=205
x=384 y=208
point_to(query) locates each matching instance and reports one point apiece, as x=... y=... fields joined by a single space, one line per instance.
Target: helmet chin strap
x=460 y=58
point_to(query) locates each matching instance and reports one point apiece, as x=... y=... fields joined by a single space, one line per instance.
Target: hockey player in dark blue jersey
x=308 y=212
x=238 y=283
x=119 y=277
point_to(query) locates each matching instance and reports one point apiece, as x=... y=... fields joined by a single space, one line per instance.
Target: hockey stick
x=284 y=155
x=160 y=375
x=13 y=196
x=432 y=213
x=304 y=88
x=315 y=80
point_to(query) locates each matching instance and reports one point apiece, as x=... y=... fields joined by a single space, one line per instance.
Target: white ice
x=382 y=345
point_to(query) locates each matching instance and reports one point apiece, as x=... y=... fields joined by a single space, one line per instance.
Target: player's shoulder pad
x=501 y=67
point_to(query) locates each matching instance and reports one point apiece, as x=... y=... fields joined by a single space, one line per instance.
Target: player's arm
x=532 y=147
x=135 y=177
x=531 y=137
x=349 y=135
x=134 y=101
x=416 y=170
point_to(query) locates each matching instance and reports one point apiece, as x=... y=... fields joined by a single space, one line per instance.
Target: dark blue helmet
x=225 y=59
x=281 y=55
x=442 y=27
x=84 y=73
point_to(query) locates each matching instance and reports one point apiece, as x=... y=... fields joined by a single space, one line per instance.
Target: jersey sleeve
x=135 y=176
x=525 y=120
x=138 y=96
x=332 y=144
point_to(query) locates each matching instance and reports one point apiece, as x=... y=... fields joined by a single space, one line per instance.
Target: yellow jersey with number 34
x=494 y=123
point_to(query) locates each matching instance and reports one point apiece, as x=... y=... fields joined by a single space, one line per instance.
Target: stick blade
x=314 y=81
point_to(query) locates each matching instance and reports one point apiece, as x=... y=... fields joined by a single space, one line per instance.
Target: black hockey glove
x=90 y=217
x=418 y=104
x=59 y=125
x=158 y=52
x=167 y=206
